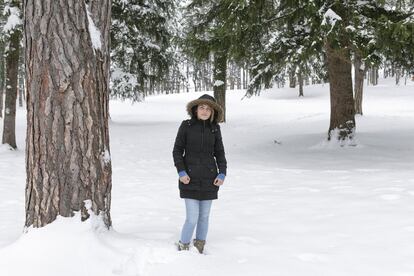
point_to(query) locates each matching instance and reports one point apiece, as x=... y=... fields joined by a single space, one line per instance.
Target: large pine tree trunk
x=219 y=79
x=342 y=122
x=12 y=66
x=67 y=150
x=359 y=83
x=2 y=78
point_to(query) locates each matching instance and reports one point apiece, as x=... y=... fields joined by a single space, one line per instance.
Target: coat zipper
x=202 y=135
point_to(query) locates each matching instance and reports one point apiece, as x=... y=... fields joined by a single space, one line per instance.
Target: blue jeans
x=197 y=213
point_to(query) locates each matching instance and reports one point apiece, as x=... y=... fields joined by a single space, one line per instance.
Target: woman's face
x=203 y=112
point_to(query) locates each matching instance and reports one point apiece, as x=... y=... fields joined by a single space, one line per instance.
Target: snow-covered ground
x=291 y=204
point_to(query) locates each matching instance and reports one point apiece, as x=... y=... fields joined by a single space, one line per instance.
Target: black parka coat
x=199 y=150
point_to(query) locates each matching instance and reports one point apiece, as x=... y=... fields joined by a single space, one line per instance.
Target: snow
x=218 y=83
x=350 y=28
x=331 y=15
x=13 y=19
x=106 y=157
x=93 y=31
x=290 y=205
x=330 y=18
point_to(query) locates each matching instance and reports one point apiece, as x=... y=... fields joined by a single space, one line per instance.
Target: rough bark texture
x=2 y=78
x=359 y=83
x=12 y=65
x=342 y=122
x=67 y=150
x=220 y=73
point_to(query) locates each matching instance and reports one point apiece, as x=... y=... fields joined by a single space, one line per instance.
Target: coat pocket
x=211 y=172
x=194 y=185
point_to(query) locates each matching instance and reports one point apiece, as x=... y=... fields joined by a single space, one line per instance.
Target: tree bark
x=300 y=80
x=12 y=66
x=2 y=77
x=342 y=121
x=292 y=77
x=67 y=79
x=219 y=79
x=359 y=83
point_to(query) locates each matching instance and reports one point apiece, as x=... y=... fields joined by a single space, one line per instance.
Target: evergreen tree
x=141 y=46
x=299 y=31
x=12 y=35
x=395 y=39
x=215 y=28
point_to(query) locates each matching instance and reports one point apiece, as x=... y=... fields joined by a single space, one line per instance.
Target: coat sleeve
x=219 y=152
x=179 y=147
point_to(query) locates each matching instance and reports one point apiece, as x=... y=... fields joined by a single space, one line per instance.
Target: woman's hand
x=218 y=182
x=185 y=179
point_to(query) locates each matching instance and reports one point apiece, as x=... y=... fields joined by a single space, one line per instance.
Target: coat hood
x=209 y=100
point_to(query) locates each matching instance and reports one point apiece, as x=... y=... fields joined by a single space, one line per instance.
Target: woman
x=198 y=152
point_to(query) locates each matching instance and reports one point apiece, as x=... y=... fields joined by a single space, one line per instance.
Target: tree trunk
x=196 y=78
x=219 y=79
x=232 y=75
x=359 y=69
x=12 y=68
x=374 y=76
x=21 y=89
x=245 y=77
x=292 y=77
x=342 y=122
x=300 y=79
x=239 y=72
x=67 y=77
x=187 y=84
x=2 y=77
x=397 y=76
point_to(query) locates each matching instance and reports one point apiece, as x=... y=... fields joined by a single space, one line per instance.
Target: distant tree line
x=172 y=47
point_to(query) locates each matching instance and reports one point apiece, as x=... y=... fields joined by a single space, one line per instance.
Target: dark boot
x=183 y=246
x=199 y=244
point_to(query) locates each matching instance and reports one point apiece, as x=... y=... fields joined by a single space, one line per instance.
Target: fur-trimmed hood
x=209 y=100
